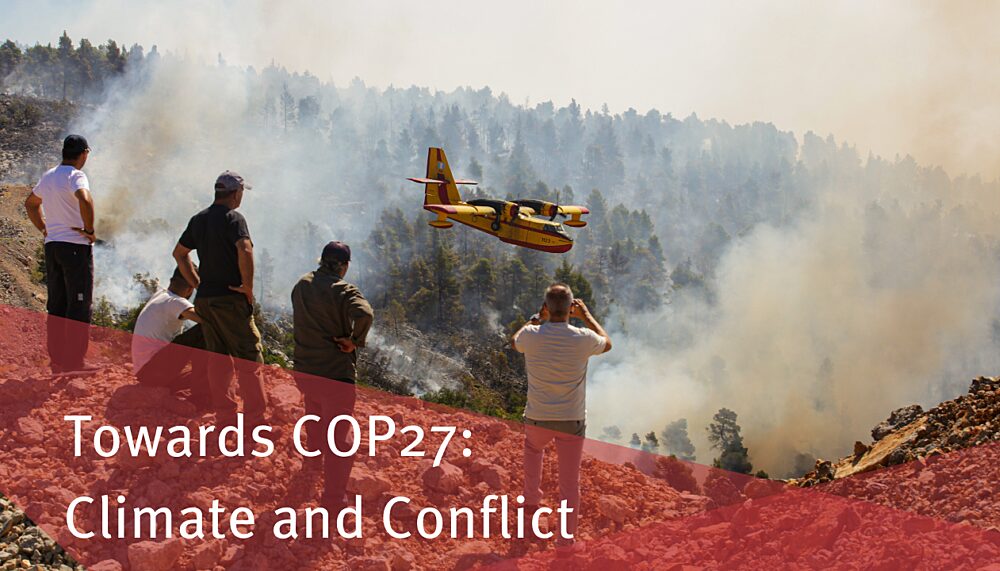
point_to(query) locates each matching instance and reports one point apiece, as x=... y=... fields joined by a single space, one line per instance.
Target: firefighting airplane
x=513 y=222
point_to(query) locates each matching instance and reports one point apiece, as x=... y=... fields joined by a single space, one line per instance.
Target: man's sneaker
x=84 y=370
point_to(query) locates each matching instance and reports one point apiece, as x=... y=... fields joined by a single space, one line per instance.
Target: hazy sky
x=899 y=76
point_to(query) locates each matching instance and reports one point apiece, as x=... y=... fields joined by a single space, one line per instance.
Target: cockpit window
x=556 y=229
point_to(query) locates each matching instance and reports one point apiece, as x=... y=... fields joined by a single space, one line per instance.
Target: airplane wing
x=436 y=181
x=460 y=209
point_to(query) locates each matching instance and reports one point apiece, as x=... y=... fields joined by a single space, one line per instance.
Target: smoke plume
x=870 y=302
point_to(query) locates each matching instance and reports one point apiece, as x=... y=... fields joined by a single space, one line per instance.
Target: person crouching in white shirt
x=164 y=354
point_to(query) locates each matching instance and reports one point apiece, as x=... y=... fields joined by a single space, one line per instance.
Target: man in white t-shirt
x=162 y=350
x=61 y=208
x=555 y=357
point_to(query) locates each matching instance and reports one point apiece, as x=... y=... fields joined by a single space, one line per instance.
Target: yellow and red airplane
x=513 y=222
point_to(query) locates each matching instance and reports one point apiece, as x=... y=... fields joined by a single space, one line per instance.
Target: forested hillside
x=669 y=198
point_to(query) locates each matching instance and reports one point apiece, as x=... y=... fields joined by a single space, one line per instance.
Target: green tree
x=89 y=65
x=635 y=442
x=442 y=296
x=114 y=58
x=724 y=435
x=581 y=287
x=676 y=440
x=10 y=59
x=566 y=273
x=287 y=107
x=41 y=65
x=481 y=284
x=684 y=275
x=308 y=111
x=403 y=152
x=650 y=443
x=66 y=55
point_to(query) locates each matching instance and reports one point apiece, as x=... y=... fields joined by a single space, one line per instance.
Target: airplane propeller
x=555 y=211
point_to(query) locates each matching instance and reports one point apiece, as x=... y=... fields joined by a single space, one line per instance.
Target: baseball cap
x=336 y=251
x=74 y=145
x=231 y=181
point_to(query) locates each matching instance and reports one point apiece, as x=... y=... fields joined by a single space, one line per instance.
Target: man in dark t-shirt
x=225 y=301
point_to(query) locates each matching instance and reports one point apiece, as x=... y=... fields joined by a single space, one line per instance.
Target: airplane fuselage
x=521 y=231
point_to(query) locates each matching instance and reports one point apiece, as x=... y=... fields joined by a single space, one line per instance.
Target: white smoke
x=869 y=303
x=159 y=142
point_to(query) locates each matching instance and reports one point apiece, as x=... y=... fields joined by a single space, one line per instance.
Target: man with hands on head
x=61 y=208
x=556 y=355
x=225 y=301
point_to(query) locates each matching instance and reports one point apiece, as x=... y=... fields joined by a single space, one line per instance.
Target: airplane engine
x=548 y=209
x=511 y=210
x=541 y=208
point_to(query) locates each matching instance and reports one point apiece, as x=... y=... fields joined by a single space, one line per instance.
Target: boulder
x=445 y=478
x=285 y=401
x=496 y=477
x=155 y=555
x=760 y=487
x=367 y=484
x=207 y=555
x=77 y=388
x=897 y=419
x=613 y=508
x=30 y=431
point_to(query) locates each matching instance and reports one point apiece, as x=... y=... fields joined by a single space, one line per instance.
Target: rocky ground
x=23 y=545
x=911 y=434
x=937 y=511
x=20 y=247
x=618 y=496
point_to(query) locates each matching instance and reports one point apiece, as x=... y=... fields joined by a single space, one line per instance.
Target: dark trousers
x=181 y=365
x=69 y=275
x=230 y=330
x=328 y=399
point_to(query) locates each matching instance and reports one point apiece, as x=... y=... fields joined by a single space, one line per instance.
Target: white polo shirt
x=157 y=325
x=57 y=189
x=556 y=357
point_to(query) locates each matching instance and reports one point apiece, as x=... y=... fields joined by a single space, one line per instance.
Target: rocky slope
x=911 y=434
x=20 y=248
x=31 y=132
x=617 y=496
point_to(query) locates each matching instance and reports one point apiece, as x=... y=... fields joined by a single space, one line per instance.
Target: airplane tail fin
x=440 y=187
